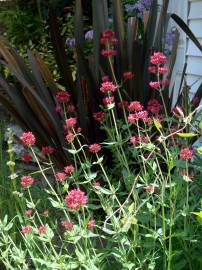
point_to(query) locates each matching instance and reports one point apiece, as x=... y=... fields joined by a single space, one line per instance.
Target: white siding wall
x=191 y=12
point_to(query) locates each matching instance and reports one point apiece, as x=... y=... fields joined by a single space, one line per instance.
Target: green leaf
x=187 y=135
x=199 y=150
x=157 y=124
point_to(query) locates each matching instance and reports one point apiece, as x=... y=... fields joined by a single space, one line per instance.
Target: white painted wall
x=191 y=12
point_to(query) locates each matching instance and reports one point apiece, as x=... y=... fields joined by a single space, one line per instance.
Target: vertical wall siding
x=193 y=55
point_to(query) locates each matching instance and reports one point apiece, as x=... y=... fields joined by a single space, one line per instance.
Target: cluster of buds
x=158 y=61
x=109 y=41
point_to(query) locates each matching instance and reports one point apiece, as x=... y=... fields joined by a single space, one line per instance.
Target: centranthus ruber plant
x=123 y=203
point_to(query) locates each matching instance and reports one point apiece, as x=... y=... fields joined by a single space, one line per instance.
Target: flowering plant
x=123 y=203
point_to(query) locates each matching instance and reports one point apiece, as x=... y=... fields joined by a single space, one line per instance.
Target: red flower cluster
x=158 y=58
x=28 y=212
x=107 y=87
x=138 y=115
x=62 y=96
x=99 y=116
x=27 y=157
x=47 y=150
x=108 y=100
x=135 y=106
x=75 y=199
x=28 y=138
x=154 y=106
x=60 y=176
x=186 y=153
x=135 y=140
x=91 y=223
x=42 y=229
x=108 y=37
x=67 y=225
x=70 y=137
x=69 y=169
x=128 y=75
x=94 y=148
x=26 y=229
x=70 y=122
x=26 y=181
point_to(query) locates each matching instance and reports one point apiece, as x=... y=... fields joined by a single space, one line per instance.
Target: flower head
x=47 y=150
x=91 y=223
x=154 y=84
x=28 y=138
x=26 y=229
x=75 y=199
x=27 y=157
x=108 y=100
x=70 y=122
x=99 y=116
x=62 y=96
x=127 y=75
x=94 y=148
x=69 y=169
x=89 y=35
x=70 y=137
x=107 y=87
x=154 y=106
x=135 y=106
x=26 y=181
x=186 y=153
x=67 y=225
x=60 y=176
x=28 y=212
x=42 y=229
x=158 y=58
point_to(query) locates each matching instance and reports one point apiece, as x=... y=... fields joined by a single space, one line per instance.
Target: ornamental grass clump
x=128 y=202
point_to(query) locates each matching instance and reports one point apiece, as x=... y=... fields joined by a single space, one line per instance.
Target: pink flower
x=75 y=199
x=149 y=189
x=163 y=70
x=135 y=106
x=70 y=122
x=58 y=109
x=96 y=184
x=140 y=115
x=105 y=79
x=47 y=150
x=154 y=84
x=154 y=106
x=152 y=69
x=114 y=41
x=26 y=181
x=62 y=96
x=26 y=229
x=28 y=212
x=70 y=137
x=27 y=157
x=69 y=169
x=127 y=75
x=99 y=116
x=94 y=148
x=91 y=223
x=67 y=225
x=108 y=53
x=71 y=108
x=60 y=176
x=133 y=140
x=186 y=153
x=158 y=58
x=108 y=100
x=108 y=33
x=42 y=229
x=103 y=40
x=107 y=87
x=28 y=138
